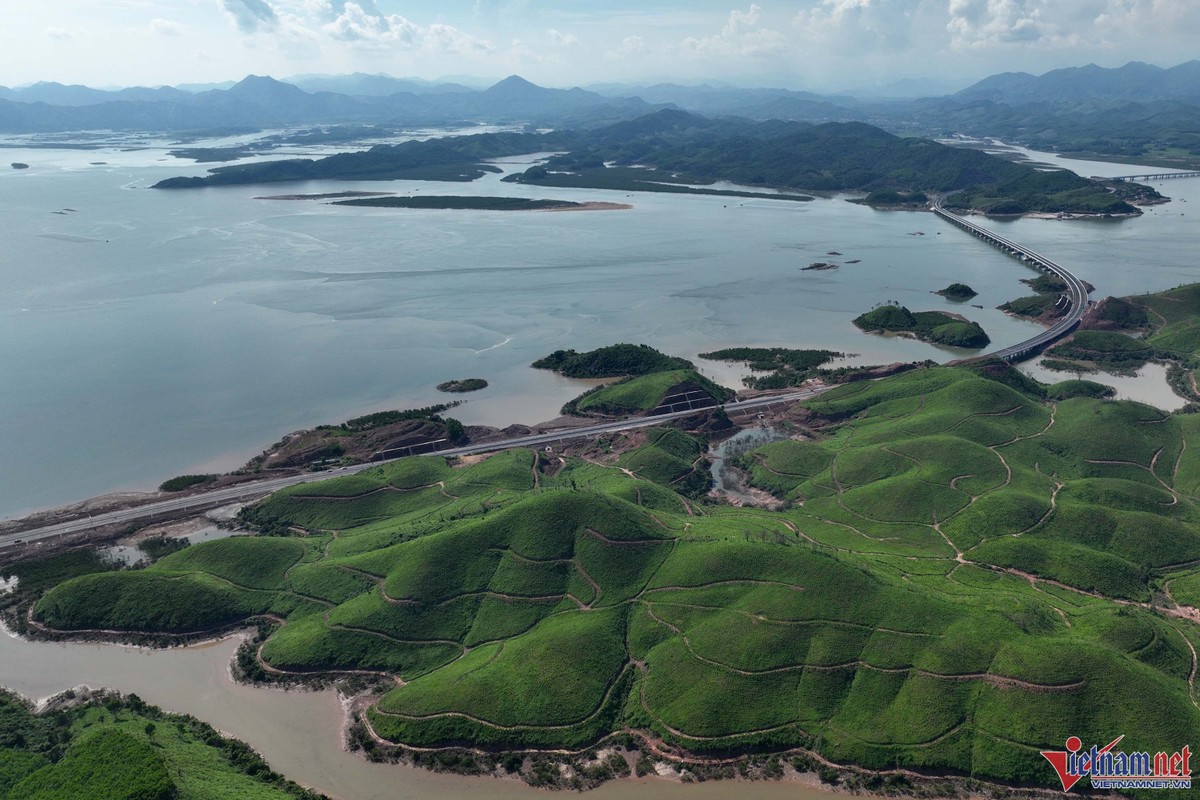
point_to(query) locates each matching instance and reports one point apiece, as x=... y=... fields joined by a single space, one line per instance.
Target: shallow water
x=1149 y=385
x=737 y=445
x=149 y=333
x=298 y=732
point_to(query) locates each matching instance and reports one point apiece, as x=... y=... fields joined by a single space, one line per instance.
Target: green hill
x=964 y=574
x=645 y=393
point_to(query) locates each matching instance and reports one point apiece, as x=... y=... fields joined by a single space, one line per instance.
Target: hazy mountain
x=58 y=94
x=1075 y=86
x=361 y=84
x=266 y=102
x=751 y=103
x=908 y=88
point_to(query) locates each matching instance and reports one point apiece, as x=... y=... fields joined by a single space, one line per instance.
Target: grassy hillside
x=643 y=393
x=965 y=573
x=110 y=748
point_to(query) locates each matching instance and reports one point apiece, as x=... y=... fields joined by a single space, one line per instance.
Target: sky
x=821 y=45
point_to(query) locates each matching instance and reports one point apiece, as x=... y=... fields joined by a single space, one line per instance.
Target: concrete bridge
x=1075 y=296
x=1158 y=176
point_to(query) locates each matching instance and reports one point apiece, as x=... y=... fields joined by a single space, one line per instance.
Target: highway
x=245 y=491
x=1076 y=294
x=1077 y=291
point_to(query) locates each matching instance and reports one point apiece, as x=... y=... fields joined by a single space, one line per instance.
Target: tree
x=455 y=431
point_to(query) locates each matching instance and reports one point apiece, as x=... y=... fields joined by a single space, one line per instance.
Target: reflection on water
x=210 y=533
x=1149 y=385
x=728 y=482
x=127 y=555
x=298 y=732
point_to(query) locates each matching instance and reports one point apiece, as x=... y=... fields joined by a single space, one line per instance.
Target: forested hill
x=680 y=148
x=832 y=156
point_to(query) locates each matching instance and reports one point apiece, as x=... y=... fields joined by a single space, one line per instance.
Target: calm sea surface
x=145 y=334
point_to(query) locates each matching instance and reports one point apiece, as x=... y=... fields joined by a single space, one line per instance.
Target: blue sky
x=807 y=44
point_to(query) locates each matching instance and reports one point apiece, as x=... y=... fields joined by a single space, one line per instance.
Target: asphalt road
x=246 y=491
x=1076 y=290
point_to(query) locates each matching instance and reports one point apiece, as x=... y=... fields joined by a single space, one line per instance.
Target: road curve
x=246 y=491
x=1076 y=294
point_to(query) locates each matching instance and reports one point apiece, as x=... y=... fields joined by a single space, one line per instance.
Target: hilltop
x=960 y=569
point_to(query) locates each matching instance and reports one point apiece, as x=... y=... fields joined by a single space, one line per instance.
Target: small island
x=957 y=291
x=19 y=165
x=783 y=367
x=464 y=385
x=936 y=327
x=819 y=266
x=893 y=199
x=459 y=203
x=613 y=361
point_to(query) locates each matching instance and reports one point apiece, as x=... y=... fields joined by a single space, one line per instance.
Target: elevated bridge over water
x=1076 y=294
x=1157 y=176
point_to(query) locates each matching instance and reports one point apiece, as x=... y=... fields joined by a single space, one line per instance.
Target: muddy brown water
x=299 y=732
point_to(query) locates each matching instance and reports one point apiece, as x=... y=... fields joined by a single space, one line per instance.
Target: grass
x=642 y=393
x=954 y=583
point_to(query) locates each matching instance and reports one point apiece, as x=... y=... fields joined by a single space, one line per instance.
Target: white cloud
x=859 y=23
x=166 y=27
x=741 y=36
x=57 y=33
x=631 y=46
x=981 y=23
x=364 y=26
x=560 y=39
x=250 y=16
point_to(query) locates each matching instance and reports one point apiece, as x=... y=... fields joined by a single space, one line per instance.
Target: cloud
x=250 y=16
x=981 y=23
x=363 y=25
x=741 y=36
x=57 y=33
x=166 y=27
x=630 y=46
x=859 y=23
x=560 y=39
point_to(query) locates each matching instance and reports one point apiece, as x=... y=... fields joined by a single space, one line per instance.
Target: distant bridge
x=1076 y=295
x=1158 y=176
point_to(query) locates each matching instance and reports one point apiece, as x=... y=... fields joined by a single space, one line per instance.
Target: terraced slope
x=965 y=574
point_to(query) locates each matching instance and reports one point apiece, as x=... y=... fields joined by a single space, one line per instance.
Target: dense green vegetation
x=1105 y=349
x=181 y=482
x=957 y=291
x=1048 y=192
x=928 y=326
x=672 y=151
x=455 y=202
x=613 y=361
x=442 y=159
x=112 y=748
x=962 y=571
x=634 y=179
x=463 y=385
x=785 y=367
x=381 y=418
x=891 y=197
x=644 y=393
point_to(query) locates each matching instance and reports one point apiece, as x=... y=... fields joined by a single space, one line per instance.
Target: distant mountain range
x=266 y=102
x=1137 y=110
x=1078 y=86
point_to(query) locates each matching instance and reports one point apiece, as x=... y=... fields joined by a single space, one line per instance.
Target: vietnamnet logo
x=1109 y=770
